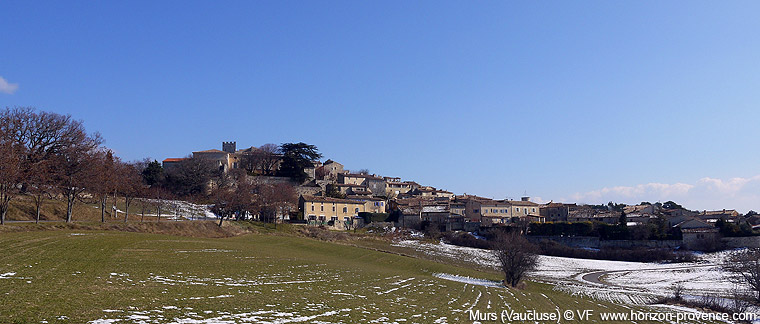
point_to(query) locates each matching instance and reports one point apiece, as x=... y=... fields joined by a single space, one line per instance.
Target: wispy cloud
x=7 y=87
x=742 y=194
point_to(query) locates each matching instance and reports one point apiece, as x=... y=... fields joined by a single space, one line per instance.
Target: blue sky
x=577 y=101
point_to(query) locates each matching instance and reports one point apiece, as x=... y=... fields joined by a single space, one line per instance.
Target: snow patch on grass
x=7 y=275
x=469 y=281
x=632 y=282
x=263 y=316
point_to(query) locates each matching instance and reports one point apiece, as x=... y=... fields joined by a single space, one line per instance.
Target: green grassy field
x=70 y=276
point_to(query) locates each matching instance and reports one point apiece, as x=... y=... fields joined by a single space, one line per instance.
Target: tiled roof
x=718 y=212
x=556 y=204
x=473 y=197
x=364 y=198
x=210 y=151
x=174 y=159
x=509 y=203
x=435 y=209
x=366 y=176
x=329 y=200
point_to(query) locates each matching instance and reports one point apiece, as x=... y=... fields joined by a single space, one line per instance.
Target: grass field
x=68 y=276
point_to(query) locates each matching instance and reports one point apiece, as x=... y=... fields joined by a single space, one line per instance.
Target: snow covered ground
x=177 y=209
x=468 y=280
x=627 y=282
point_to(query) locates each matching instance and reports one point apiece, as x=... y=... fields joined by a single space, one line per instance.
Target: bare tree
x=75 y=170
x=159 y=194
x=104 y=179
x=275 y=200
x=39 y=184
x=249 y=161
x=270 y=158
x=11 y=175
x=130 y=184
x=516 y=256
x=745 y=269
x=233 y=200
x=73 y=176
x=264 y=159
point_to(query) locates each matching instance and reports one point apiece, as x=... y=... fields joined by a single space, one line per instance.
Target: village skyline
x=583 y=102
x=666 y=192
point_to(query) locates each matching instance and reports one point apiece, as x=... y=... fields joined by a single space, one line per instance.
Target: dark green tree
x=191 y=177
x=295 y=158
x=153 y=174
x=671 y=205
x=623 y=220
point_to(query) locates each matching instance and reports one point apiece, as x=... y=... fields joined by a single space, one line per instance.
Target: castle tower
x=229 y=147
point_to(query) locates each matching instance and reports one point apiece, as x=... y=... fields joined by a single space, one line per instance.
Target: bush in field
x=516 y=256
x=465 y=239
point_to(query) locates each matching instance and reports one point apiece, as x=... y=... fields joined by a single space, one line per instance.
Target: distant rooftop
x=174 y=159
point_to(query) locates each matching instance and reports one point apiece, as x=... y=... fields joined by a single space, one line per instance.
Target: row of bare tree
x=240 y=197
x=46 y=155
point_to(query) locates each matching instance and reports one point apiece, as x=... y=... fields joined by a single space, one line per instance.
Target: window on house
x=334 y=218
x=312 y=207
x=333 y=208
x=322 y=208
x=474 y=210
x=517 y=209
x=356 y=210
x=345 y=209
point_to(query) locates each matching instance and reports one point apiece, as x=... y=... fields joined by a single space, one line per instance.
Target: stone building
x=555 y=212
x=333 y=212
x=394 y=186
x=374 y=183
x=332 y=169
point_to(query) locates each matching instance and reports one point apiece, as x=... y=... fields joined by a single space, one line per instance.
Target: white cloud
x=538 y=200
x=742 y=194
x=6 y=87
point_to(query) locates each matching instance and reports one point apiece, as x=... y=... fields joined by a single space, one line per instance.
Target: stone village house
x=334 y=212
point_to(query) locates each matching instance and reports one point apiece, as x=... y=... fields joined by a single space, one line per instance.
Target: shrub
x=637 y=254
x=373 y=217
x=465 y=239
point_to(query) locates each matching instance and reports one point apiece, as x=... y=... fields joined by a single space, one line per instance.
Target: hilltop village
x=332 y=196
